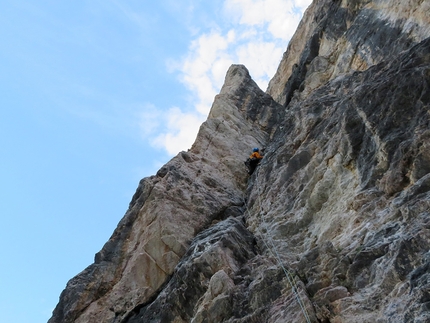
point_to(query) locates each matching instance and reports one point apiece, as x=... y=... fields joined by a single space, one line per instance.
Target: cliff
x=334 y=226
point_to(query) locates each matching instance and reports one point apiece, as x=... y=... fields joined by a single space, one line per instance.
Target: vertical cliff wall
x=334 y=226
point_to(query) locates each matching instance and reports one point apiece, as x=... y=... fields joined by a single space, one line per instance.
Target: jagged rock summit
x=334 y=226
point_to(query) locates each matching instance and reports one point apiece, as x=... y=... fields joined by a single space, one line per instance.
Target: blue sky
x=96 y=95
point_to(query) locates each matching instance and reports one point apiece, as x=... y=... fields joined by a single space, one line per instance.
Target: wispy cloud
x=257 y=35
x=203 y=70
x=276 y=18
x=181 y=129
x=140 y=19
x=149 y=120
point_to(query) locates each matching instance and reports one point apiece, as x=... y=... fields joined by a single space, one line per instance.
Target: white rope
x=289 y=276
x=276 y=255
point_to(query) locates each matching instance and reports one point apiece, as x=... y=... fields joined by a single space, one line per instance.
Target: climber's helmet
x=255 y=150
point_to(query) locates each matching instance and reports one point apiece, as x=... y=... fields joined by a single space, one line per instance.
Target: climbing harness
x=276 y=255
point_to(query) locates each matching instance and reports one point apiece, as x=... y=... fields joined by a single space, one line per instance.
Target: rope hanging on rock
x=276 y=255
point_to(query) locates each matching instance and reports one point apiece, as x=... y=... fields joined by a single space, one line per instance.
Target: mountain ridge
x=339 y=204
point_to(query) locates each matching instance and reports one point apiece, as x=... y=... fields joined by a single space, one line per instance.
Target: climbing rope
x=276 y=255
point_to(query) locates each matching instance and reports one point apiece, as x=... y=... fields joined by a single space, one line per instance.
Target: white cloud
x=257 y=36
x=205 y=65
x=181 y=129
x=302 y=4
x=261 y=58
x=149 y=120
x=278 y=17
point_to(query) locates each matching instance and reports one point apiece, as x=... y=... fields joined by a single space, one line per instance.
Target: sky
x=94 y=96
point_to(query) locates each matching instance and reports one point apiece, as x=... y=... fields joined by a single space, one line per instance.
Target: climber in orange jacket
x=253 y=160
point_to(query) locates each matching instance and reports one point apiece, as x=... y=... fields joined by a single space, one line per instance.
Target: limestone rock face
x=338 y=37
x=334 y=225
x=347 y=207
x=194 y=190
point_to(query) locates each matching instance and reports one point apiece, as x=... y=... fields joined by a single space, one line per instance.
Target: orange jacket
x=256 y=154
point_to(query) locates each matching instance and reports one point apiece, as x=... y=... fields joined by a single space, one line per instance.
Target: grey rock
x=334 y=225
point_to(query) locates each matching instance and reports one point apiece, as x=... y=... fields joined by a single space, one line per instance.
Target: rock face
x=334 y=226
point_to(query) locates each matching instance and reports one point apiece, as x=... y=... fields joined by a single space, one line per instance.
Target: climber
x=253 y=160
